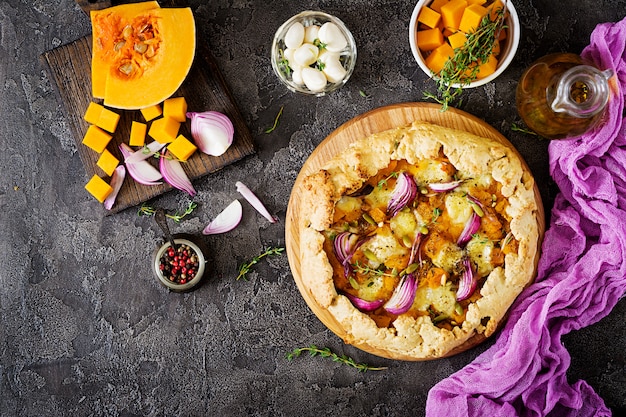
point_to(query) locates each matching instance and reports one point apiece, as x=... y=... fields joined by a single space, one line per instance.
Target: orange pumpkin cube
x=438 y=57
x=96 y=138
x=452 y=12
x=457 y=40
x=472 y=16
x=429 y=39
x=487 y=68
x=108 y=120
x=182 y=148
x=92 y=114
x=98 y=188
x=152 y=112
x=137 y=133
x=176 y=108
x=436 y=5
x=107 y=162
x=429 y=17
x=494 y=8
x=164 y=130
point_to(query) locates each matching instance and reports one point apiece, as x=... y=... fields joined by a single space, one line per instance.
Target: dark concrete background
x=85 y=329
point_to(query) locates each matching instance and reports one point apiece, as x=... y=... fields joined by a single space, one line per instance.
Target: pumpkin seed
x=118 y=46
x=369 y=219
x=126 y=68
x=140 y=47
x=127 y=31
x=370 y=255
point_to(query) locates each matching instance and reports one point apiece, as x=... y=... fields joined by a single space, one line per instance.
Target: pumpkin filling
x=437 y=237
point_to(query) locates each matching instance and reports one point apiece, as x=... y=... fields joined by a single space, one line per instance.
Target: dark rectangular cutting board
x=204 y=89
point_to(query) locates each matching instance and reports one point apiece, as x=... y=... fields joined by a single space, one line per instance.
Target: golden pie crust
x=413 y=335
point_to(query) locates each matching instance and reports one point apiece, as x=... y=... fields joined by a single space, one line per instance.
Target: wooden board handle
x=89 y=5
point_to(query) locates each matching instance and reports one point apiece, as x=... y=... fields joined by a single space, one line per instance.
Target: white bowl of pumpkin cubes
x=161 y=122
x=444 y=33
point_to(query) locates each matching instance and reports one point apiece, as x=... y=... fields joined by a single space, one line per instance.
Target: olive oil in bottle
x=559 y=96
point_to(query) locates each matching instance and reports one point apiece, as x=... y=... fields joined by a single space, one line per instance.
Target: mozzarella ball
x=314 y=79
x=331 y=35
x=310 y=33
x=306 y=54
x=333 y=70
x=295 y=35
x=296 y=76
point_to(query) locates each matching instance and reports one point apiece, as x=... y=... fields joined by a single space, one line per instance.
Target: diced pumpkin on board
x=98 y=188
x=141 y=53
x=92 y=114
x=164 y=130
x=96 y=138
x=108 y=120
x=137 y=133
x=176 y=108
x=107 y=162
x=182 y=148
x=152 y=112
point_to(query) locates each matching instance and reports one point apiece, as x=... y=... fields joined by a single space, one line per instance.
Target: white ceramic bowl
x=347 y=56
x=506 y=55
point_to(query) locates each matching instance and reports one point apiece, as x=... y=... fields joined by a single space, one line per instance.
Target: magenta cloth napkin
x=582 y=275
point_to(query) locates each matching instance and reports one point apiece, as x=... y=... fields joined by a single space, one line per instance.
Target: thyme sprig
x=276 y=120
x=147 y=210
x=516 y=128
x=462 y=68
x=245 y=267
x=327 y=353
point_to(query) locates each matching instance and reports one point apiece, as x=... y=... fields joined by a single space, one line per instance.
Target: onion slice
x=117 y=179
x=416 y=248
x=174 y=174
x=254 y=201
x=364 y=305
x=442 y=187
x=467 y=283
x=212 y=131
x=403 y=295
x=145 y=152
x=142 y=171
x=471 y=227
x=226 y=221
x=404 y=193
x=344 y=246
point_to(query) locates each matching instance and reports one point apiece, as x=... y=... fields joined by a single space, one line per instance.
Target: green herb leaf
x=327 y=353
x=245 y=268
x=516 y=128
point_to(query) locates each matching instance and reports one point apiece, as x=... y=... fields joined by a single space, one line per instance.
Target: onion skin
x=116 y=183
x=364 y=305
x=212 y=131
x=403 y=296
x=174 y=173
x=226 y=221
x=467 y=283
x=255 y=202
x=403 y=194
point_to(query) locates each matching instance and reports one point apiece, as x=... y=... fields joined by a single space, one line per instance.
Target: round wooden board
x=375 y=121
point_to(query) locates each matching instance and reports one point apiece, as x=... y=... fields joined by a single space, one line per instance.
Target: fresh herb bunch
x=463 y=67
x=245 y=268
x=147 y=210
x=327 y=353
x=276 y=119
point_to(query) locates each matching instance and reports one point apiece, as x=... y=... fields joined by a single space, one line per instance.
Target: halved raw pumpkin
x=141 y=53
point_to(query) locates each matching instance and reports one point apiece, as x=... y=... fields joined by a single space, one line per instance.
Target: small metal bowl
x=173 y=286
x=347 y=56
x=506 y=56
